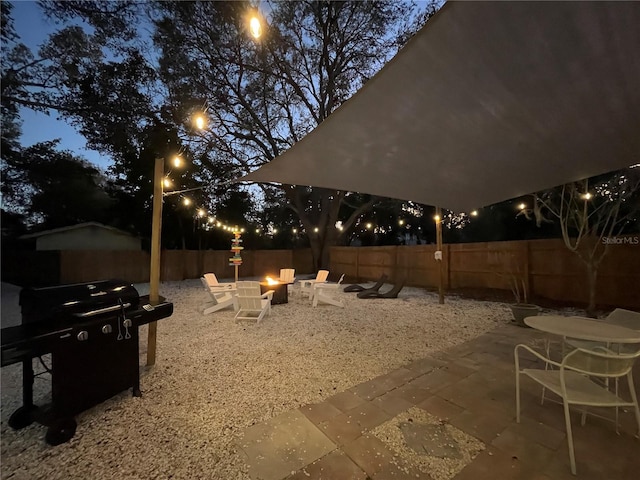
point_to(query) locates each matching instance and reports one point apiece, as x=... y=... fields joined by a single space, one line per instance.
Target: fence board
x=549 y=269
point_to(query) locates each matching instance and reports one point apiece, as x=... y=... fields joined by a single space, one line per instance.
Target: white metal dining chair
x=575 y=380
x=619 y=317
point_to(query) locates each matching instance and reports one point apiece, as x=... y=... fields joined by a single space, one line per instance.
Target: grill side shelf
x=23 y=342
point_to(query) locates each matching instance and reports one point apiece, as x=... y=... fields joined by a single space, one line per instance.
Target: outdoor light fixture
x=400 y=222
x=316 y=230
x=587 y=196
x=166 y=182
x=474 y=213
x=210 y=219
x=436 y=218
x=186 y=201
x=255 y=27
x=200 y=121
x=295 y=230
x=522 y=206
x=257 y=230
x=201 y=212
x=177 y=161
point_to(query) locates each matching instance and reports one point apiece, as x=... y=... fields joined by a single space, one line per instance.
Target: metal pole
x=154 y=269
x=439 y=248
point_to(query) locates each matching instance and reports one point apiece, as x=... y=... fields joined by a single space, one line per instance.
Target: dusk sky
x=33 y=29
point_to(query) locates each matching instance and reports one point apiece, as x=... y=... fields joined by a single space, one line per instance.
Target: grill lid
x=79 y=300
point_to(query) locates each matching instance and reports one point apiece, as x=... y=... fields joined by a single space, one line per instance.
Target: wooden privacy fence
x=549 y=269
x=74 y=266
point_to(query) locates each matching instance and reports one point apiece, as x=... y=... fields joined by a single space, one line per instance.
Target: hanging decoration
x=236 y=260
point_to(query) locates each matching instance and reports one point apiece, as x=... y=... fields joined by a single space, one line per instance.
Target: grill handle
x=92 y=313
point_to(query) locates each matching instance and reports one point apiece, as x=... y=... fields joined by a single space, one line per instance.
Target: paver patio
x=470 y=387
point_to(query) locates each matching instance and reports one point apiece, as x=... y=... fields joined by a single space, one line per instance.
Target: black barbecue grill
x=91 y=331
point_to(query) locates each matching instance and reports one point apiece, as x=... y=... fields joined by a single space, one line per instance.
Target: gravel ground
x=214 y=377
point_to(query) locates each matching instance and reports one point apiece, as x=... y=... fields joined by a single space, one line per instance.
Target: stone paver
x=470 y=386
x=336 y=465
x=369 y=453
x=283 y=444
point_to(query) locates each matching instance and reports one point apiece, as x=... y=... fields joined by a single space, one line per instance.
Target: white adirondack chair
x=252 y=305
x=221 y=295
x=322 y=293
x=306 y=286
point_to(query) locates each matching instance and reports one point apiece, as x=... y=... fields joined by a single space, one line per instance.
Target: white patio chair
x=620 y=317
x=252 y=305
x=212 y=282
x=221 y=296
x=288 y=276
x=322 y=293
x=306 y=286
x=575 y=380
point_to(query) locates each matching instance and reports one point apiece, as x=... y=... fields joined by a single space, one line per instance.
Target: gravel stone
x=214 y=377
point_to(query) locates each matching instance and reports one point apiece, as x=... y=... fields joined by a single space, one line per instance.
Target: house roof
x=487 y=102
x=76 y=227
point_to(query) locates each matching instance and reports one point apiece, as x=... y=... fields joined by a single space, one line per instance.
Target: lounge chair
x=321 y=293
x=360 y=288
x=252 y=304
x=393 y=293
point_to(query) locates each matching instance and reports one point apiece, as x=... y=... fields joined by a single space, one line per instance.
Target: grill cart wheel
x=61 y=431
x=22 y=417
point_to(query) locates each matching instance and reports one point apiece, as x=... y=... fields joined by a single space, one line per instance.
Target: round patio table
x=583 y=329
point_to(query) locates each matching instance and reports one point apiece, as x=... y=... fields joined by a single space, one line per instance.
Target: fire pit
x=280 y=294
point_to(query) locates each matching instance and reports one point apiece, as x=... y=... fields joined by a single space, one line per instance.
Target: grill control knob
x=83 y=335
x=107 y=329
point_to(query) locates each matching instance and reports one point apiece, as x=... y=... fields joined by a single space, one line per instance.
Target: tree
x=266 y=96
x=54 y=189
x=591 y=213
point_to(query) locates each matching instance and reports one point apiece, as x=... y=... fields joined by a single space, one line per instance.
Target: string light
x=474 y=213
x=587 y=196
x=522 y=206
x=177 y=161
x=166 y=182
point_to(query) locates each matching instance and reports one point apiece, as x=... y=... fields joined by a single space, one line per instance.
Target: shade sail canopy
x=488 y=101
